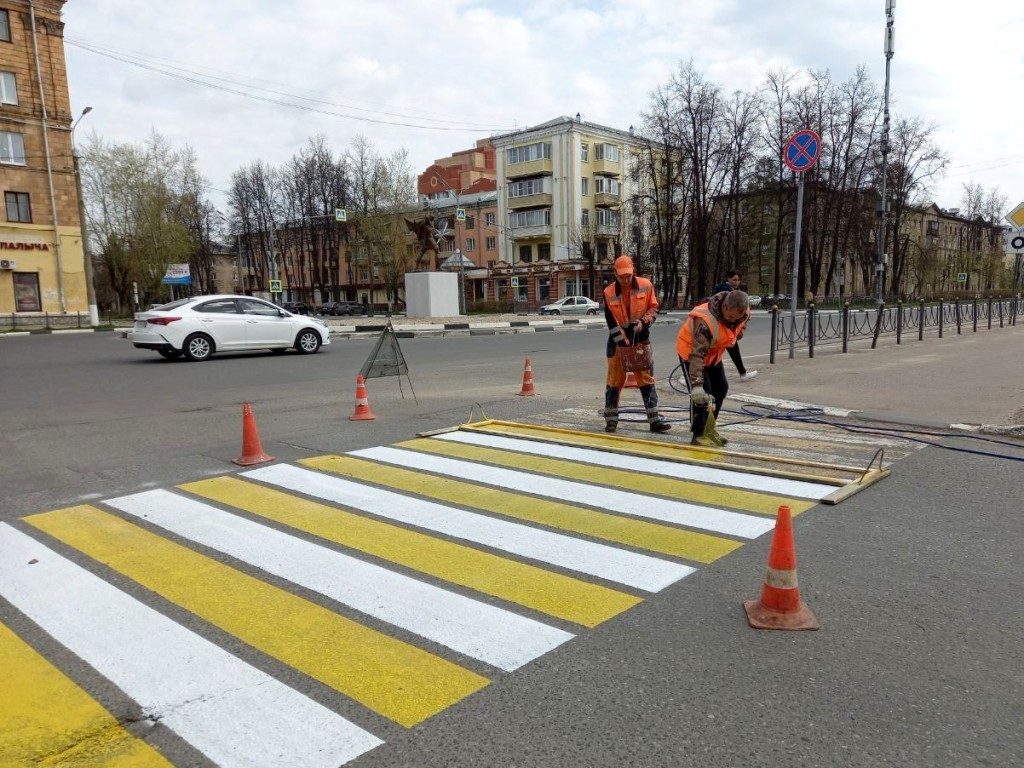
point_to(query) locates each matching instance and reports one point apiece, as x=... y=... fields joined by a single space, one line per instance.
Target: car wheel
x=555 y=312
x=169 y=354
x=591 y=311
x=198 y=347
x=308 y=341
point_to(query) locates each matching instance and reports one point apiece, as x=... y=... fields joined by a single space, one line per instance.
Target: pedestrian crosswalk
x=295 y=614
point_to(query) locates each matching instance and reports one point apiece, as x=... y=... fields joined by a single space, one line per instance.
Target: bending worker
x=630 y=308
x=710 y=329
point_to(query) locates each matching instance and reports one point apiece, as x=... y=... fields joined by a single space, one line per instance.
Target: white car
x=199 y=326
x=572 y=305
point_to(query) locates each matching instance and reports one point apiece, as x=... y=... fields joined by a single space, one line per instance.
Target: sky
x=246 y=80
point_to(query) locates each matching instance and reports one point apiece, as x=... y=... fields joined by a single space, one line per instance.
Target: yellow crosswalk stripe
x=397 y=680
x=47 y=720
x=691 y=545
x=552 y=593
x=681 y=490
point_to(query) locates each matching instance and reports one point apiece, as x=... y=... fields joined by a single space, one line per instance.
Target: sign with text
x=177 y=274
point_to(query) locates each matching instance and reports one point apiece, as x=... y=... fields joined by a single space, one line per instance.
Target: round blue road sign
x=802 y=150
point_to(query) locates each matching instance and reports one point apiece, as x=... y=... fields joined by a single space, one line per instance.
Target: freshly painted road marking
x=397 y=680
x=497 y=637
x=236 y=715
x=554 y=594
x=46 y=719
x=613 y=477
x=629 y=568
x=701 y=473
x=663 y=539
x=624 y=502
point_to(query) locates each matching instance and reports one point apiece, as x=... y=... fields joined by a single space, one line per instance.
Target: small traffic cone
x=252 y=448
x=362 y=411
x=780 y=606
x=527 y=389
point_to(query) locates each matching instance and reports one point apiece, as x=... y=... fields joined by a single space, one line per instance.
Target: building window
x=489 y=218
x=26 y=292
x=5 y=27
x=470 y=222
x=585 y=217
x=12 y=148
x=585 y=153
x=490 y=243
x=536 y=218
x=543 y=288
x=8 y=88
x=585 y=186
x=529 y=187
x=608 y=152
x=526 y=253
x=606 y=186
x=608 y=218
x=491 y=263
x=18 y=207
x=602 y=250
x=470 y=244
x=544 y=251
x=529 y=153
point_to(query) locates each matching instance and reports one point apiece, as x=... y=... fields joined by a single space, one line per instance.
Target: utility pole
x=90 y=288
x=883 y=203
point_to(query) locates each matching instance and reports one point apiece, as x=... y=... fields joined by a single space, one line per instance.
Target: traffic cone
x=780 y=606
x=252 y=448
x=527 y=389
x=362 y=412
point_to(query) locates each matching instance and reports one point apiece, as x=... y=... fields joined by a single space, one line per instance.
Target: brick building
x=42 y=268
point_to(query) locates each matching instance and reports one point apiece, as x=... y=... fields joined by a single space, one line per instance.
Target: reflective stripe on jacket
x=722 y=336
x=642 y=302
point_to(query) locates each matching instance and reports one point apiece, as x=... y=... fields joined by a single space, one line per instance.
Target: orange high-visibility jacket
x=643 y=303
x=722 y=336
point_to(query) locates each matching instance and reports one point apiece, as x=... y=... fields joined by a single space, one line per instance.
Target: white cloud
x=473 y=67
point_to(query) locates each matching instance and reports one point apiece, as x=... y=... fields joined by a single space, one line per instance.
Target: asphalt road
x=915 y=580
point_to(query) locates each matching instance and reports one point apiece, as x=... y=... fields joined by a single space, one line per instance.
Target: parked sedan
x=572 y=305
x=202 y=325
x=295 y=307
x=342 y=308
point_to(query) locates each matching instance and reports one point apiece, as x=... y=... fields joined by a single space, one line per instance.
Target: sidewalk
x=975 y=380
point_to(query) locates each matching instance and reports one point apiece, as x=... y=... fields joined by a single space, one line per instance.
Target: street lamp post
x=90 y=288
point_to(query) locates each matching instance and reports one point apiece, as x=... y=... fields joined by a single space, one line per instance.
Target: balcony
x=606 y=167
x=530 y=201
x=533 y=168
x=535 y=230
x=607 y=199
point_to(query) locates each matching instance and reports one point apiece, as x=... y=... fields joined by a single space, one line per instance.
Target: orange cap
x=623 y=265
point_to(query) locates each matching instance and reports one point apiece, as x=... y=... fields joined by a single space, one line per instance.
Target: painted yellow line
x=395 y=679
x=47 y=720
x=552 y=593
x=691 y=545
x=680 y=490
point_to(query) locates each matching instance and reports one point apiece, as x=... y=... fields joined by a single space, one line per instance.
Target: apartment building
x=563 y=190
x=42 y=267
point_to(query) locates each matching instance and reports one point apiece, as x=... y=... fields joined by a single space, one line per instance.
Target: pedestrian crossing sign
x=460 y=214
x=340 y=214
x=275 y=286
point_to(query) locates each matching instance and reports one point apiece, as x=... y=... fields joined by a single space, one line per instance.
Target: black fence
x=813 y=326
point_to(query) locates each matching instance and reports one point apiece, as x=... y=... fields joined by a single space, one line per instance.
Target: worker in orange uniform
x=630 y=308
x=711 y=328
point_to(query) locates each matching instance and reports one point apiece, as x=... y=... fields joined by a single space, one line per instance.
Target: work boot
x=703 y=442
x=656 y=421
x=660 y=425
x=611 y=409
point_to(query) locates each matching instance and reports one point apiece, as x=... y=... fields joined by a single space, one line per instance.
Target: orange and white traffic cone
x=252 y=448
x=527 y=389
x=362 y=411
x=780 y=606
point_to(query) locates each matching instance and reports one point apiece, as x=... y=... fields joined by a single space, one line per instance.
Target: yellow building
x=563 y=189
x=42 y=268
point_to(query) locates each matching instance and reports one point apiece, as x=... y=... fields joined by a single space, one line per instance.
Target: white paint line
x=485 y=632
x=236 y=715
x=623 y=502
x=835 y=436
x=636 y=570
x=649 y=465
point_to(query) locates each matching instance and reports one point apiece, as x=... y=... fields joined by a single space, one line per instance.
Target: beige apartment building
x=42 y=267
